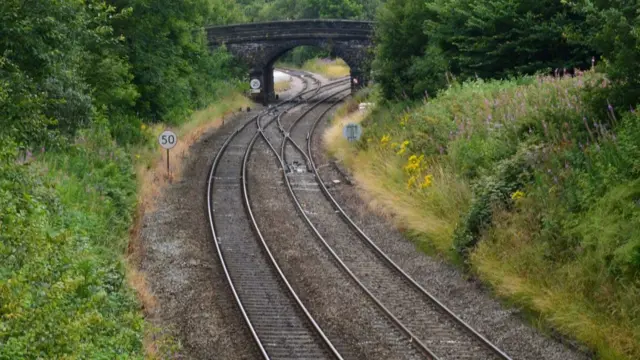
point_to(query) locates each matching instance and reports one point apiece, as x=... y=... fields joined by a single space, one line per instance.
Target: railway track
x=278 y=321
x=432 y=327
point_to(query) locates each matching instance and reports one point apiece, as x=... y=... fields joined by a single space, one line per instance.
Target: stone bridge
x=259 y=45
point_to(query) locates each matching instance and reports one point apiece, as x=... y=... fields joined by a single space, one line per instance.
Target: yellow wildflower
x=143 y=126
x=517 y=195
x=427 y=181
x=413 y=163
x=403 y=147
x=384 y=140
x=137 y=156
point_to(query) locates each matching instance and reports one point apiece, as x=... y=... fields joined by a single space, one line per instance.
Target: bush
x=64 y=227
x=471 y=39
x=493 y=192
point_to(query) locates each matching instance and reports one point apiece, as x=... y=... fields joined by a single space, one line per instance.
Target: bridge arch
x=259 y=45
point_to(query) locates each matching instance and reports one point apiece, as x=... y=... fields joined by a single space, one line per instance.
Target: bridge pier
x=266 y=92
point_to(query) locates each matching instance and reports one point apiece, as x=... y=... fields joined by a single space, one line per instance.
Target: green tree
x=616 y=24
x=400 y=43
x=333 y=9
x=498 y=38
x=61 y=62
x=168 y=53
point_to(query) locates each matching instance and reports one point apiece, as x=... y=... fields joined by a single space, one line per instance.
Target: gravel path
x=467 y=298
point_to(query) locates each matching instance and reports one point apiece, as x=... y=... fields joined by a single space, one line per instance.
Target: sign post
x=168 y=139
x=255 y=86
x=352 y=132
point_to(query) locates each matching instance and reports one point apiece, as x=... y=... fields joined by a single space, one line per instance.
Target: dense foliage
x=64 y=63
x=63 y=229
x=78 y=82
x=440 y=40
x=256 y=10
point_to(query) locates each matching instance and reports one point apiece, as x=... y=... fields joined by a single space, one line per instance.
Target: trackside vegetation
x=84 y=87
x=506 y=138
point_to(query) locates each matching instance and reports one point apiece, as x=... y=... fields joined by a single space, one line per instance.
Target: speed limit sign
x=168 y=139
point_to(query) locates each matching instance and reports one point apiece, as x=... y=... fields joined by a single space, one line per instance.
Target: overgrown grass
x=535 y=191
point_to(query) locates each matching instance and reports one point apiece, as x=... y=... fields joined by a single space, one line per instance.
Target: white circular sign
x=168 y=139
x=352 y=131
x=255 y=83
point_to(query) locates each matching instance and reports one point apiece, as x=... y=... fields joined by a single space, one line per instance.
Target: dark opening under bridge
x=259 y=45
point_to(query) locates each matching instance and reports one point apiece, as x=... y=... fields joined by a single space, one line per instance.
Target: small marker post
x=168 y=139
x=352 y=132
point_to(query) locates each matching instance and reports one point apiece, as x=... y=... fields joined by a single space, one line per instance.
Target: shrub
x=64 y=221
x=493 y=191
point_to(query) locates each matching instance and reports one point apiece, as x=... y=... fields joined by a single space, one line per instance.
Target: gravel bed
x=472 y=302
x=352 y=322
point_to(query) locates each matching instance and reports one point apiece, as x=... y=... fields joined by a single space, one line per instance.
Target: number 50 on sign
x=168 y=139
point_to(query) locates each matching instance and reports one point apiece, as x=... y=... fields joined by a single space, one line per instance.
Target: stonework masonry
x=259 y=45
